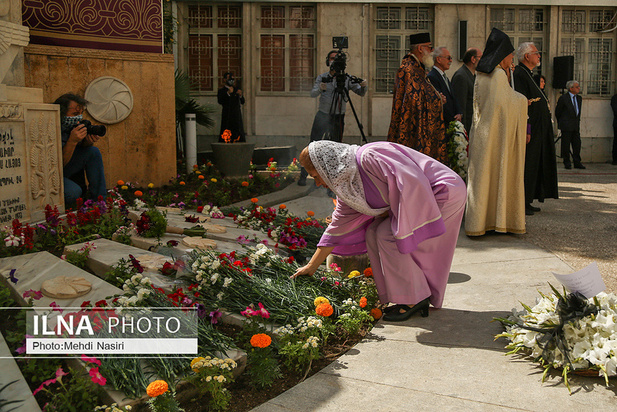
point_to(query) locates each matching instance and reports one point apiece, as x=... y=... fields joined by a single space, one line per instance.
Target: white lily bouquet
x=567 y=332
x=457 y=148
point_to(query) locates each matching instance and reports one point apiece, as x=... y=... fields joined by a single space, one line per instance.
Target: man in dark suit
x=462 y=84
x=568 y=114
x=439 y=79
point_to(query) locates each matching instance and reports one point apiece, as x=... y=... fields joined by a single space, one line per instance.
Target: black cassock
x=540 y=162
x=231 y=118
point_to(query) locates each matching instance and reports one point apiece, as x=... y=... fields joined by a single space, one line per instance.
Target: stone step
x=107 y=253
x=33 y=269
x=19 y=391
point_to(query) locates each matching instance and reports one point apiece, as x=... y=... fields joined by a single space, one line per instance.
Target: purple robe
x=411 y=251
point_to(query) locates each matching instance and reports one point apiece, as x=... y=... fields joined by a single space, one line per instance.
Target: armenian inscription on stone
x=12 y=167
x=30 y=163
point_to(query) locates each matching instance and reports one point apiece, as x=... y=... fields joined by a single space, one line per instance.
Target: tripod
x=341 y=94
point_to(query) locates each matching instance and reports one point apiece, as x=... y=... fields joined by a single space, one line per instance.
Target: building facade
x=277 y=48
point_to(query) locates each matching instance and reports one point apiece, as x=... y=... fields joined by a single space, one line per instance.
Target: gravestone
x=30 y=148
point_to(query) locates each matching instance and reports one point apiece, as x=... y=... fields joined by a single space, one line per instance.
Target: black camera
x=94 y=129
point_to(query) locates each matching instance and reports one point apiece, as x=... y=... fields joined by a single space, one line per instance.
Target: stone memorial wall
x=30 y=161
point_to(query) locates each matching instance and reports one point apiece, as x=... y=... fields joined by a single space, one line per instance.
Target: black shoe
x=302 y=181
x=529 y=212
x=568 y=166
x=532 y=208
x=396 y=315
x=579 y=166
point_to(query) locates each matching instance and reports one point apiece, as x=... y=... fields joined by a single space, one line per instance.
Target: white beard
x=428 y=60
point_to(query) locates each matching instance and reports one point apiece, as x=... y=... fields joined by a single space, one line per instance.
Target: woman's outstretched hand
x=304 y=270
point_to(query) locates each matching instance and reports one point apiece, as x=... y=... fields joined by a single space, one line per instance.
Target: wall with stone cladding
x=141 y=148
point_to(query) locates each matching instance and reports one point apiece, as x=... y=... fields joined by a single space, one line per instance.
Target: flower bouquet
x=567 y=332
x=457 y=148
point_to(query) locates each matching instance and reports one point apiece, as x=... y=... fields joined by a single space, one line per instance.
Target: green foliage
x=263 y=367
x=210 y=376
x=120 y=272
x=76 y=392
x=165 y=403
x=124 y=374
x=79 y=257
x=353 y=320
x=185 y=104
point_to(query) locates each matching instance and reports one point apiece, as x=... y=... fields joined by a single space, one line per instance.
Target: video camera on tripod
x=339 y=64
x=341 y=91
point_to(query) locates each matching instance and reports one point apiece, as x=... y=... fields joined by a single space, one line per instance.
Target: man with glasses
x=540 y=162
x=439 y=79
x=568 y=114
x=78 y=152
x=417 y=108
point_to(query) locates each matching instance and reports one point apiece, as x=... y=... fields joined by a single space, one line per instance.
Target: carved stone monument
x=30 y=144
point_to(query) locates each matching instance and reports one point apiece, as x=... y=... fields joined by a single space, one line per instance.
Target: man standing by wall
x=417 y=118
x=231 y=98
x=329 y=122
x=439 y=79
x=462 y=84
x=540 y=164
x=568 y=114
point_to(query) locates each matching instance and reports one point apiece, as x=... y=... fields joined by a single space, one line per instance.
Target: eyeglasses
x=446 y=57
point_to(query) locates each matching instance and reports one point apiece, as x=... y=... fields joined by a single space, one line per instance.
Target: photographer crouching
x=79 y=154
x=332 y=87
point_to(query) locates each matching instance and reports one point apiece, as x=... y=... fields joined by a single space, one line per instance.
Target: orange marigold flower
x=319 y=300
x=324 y=309
x=245 y=183
x=157 y=388
x=362 y=302
x=376 y=313
x=282 y=206
x=138 y=193
x=368 y=272
x=120 y=182
x=182 y=183
x=260 y=340
x=195 y=167
x=310 y=213
x=254 y=200
x=201 y=177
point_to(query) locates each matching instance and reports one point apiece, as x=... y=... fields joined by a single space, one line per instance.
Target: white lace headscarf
x=336 y=165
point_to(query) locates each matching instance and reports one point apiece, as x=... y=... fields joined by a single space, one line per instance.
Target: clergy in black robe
x=231 y=98
x=540 y=162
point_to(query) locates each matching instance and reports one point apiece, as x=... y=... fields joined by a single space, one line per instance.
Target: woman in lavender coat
x=402 y=207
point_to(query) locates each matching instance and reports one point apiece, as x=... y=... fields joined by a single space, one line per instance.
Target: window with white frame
x=589 y=35
x=286 y=47
x=393 y=25
x=214 y=44
x=523 y=24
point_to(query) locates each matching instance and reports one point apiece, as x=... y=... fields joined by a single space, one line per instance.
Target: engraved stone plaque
x=30 y=162
x=111 y=100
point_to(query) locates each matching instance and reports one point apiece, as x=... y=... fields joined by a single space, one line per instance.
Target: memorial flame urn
x=232 y=159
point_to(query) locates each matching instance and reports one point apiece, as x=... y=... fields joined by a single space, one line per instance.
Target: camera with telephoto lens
x=94 y=129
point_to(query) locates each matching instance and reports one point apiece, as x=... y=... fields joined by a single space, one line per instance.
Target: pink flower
x=248 y=312
x=34 y=294
x=60 y=373
x=56 y=307
x=335 y=267
x=96 y=376
x=90 y=360
x=46 y=383
x=262 y=311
